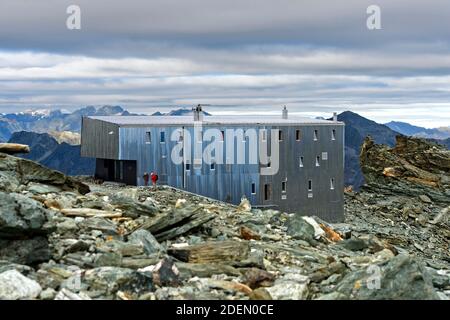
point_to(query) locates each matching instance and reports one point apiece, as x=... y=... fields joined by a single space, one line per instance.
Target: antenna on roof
x=198 y=111
x=284 y=113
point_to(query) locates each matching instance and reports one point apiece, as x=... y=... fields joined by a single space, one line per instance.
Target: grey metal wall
x=99 y=139
x=325 y=203
x=229 y=183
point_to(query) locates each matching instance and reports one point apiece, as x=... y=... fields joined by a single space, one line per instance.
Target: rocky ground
x=65 y=239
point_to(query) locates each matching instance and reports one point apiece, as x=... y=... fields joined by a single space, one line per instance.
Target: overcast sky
x=245 y=56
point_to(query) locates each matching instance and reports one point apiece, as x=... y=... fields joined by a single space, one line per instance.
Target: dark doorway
x=123 y=171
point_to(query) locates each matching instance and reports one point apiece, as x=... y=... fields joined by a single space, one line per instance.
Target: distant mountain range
x=415 y=131
x=46 y=150
x=49 y=147
x=44 y=121
x=178 y=112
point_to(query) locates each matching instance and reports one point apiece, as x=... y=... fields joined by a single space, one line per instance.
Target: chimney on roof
x=335 y=117
x=285 y=113
x=198 y=113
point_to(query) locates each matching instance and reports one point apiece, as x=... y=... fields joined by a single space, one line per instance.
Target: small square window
x=301 y=162
x=213 y=166
x=309 y=185
x=298 y=135
x=148 y=137
x=253 y=188
x=317 y=161
x=316 y=135
x=188 y=166
x=333 y=134
x=283 y=186
x=324 y=155
x=162 y=137
x=332 y=184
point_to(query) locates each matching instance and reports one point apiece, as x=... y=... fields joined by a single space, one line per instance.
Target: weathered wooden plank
x=88 y=212
x=13 y=148
x=213 y=252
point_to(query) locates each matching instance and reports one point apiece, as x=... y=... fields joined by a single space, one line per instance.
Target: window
x=324 y=155
x=333 y=134
x=317 y=161
x=301 y=162
x=213 y=166
x=283 y=186
x=309 y=185
x=180 y=136
x=269 y=164
x=332 y=184
x=280 y=135
x=162 y=137
x=148 y=137
x=267 y=192
x=298 y=135
x=316 y=135
x=253 y=188
x=264 y=134
x=188 y=166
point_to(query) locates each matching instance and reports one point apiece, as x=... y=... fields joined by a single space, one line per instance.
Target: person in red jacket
x=154 y=178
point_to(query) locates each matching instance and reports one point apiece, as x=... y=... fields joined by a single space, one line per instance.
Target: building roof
x=135 y=121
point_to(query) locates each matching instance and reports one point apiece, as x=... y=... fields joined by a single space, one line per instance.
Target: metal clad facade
x=99 y=139
x=229 y=183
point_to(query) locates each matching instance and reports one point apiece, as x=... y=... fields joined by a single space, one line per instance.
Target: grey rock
x=27 y=251
x=15 y=286
x=20 y=216
x=133 y=208
x=39 y=188
x=166 y=273
x=402 y=277
x=48 y=294
x=101 y=224
x=112 y=279
x=108 y=259
x=298 y=228
x=147 y=240
x=68 y=225
x=125 y=249
x=354 y=244
x=425 y=198
x=66 y=294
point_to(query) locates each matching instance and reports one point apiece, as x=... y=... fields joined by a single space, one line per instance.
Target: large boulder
x=22 y=171
x=20 y=216
x=15 y=286
x=299 y=228
x=147 y=240
x=413 y=167
x=26 y=251
x=400 y=278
